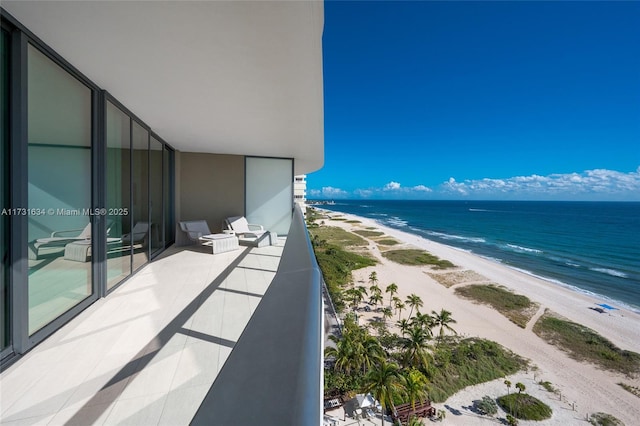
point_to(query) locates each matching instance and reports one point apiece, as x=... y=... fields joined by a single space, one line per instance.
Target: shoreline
x=597 y=279
x=583 y=385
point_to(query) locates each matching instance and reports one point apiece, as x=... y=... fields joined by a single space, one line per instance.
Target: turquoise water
x=589 y=246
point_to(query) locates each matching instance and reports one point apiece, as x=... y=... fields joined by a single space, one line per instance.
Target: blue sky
x=481 y=100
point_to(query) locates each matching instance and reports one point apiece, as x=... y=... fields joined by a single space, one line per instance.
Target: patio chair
x=138 y=234
x=241 y=227
x=58 y=240
x=194 y=229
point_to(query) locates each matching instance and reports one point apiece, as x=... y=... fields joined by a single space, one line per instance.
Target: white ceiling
x=228 y=77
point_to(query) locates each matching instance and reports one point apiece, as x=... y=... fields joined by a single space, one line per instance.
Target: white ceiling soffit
x=228 y=77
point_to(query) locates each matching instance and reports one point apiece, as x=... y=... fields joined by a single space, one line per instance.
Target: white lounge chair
x=241 y=227
x=250 y=234
x=138 y=233
x=194 y=229
x=57 y=239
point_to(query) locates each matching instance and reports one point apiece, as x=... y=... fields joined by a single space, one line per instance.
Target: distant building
x=300 y=191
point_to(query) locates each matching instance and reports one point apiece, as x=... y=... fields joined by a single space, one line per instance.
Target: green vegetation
x=487 y=406
x=352 y=221
x=548 y=386
x=336 y=265
x=583 y=344
x=524 y=406
x=604 y=419
x=410 y=365
x=333 y=235
x=417 y=257
x=367 y=233
x=388 y=242
x=519 y=309
x=338 y=218
x=631 y=389
x=335 y=262
x=467 y=362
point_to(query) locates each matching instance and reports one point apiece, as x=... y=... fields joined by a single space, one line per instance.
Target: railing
x=273 y=376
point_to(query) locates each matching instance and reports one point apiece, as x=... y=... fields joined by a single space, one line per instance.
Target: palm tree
x=387 y=313
x=416 y=387
x=375 y=298
x=345 y=352
x=362 y=290
x=414 y=301
x=354 y=296
x=371 y=352
x=397 y=303
x=520 y=387
x=391 y=289
x=403 y=325
x=385 y=382
x=416 y=345
x=373 y=277
x=425 y=321
x=443 y=319
x=508 y=383
x=355 y=350
x=375 y=289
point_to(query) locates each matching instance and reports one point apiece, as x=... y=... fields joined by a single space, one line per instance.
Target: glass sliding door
x=59 y=190
x=269 y=192
x=138 y=238
x=156 y=183
x=118 y=177
x=5 y=335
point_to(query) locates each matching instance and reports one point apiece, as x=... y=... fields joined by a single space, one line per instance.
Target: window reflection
x=59 y=190
x=118 y=195
x=138 y=238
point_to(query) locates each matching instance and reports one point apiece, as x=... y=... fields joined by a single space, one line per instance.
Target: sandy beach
x=583 y=388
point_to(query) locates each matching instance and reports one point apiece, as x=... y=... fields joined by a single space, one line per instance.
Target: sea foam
x=456 y=237
x=522 y=249
x=611 y=272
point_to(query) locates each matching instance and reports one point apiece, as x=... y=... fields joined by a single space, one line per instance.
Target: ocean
x=591 y=247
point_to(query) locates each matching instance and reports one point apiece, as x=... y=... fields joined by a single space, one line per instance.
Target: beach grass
x=631 y=389
x=331 y=246
x=583 y=344
x=338 y=219
x=416 y=257
x=337 y=236
x=517 y=308
x=548 y=386
x=387 y=242
x=336 y=265
x=524 y=406
x=459 y=363
x=604 y=419
x=367 y=233
x=352 y=221
x=452 y=278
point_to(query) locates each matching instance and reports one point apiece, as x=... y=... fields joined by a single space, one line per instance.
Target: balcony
x=193 y=338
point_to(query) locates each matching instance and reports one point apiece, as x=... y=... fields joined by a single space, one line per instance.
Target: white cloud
x=363 y=193
x=422 y=188
x=391 y=186
x=597 y=184
x=590 y=184
x=328 y=192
